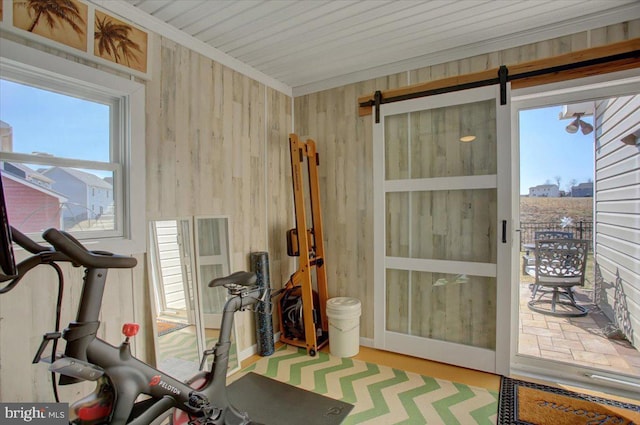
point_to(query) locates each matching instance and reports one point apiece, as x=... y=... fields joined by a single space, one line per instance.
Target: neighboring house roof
x=584 y=185
x=30 y=172
x=37 y=187
x=87 y=178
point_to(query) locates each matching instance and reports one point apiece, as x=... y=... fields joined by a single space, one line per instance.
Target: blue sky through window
x=547 y=150
x=55 y=124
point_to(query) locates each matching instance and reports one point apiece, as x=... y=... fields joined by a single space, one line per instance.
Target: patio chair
x=552 y=234
x=528 y=260
x=560 y=265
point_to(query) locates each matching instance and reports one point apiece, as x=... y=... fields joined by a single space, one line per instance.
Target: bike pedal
x=46 y=338
x=75 y=368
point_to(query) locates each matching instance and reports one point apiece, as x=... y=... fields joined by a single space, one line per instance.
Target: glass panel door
x=574 y=177
x=440 y=236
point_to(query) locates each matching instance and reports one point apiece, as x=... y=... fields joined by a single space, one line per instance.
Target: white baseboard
x=367 y=342
x=250 y=351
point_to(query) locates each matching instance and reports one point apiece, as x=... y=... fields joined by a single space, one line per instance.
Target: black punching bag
x=264 y=322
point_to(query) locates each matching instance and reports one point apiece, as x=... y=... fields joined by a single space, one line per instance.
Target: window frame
x=24 y=64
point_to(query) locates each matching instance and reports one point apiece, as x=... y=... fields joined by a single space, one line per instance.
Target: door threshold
x=599 y=383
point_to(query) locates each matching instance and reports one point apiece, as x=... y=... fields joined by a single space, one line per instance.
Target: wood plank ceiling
x=310 y=43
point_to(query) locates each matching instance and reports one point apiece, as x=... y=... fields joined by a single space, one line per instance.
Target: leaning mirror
x=213 y=261
x=179 y=264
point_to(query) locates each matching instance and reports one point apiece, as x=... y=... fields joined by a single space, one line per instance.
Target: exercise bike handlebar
x=25 y=242
x=77 y=253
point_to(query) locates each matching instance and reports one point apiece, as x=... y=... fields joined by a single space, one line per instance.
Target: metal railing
x=580 y=230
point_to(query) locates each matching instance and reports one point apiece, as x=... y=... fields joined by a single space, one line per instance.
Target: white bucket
x=344 y=326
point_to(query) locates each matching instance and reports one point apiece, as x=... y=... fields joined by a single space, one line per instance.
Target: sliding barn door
x=441 y=189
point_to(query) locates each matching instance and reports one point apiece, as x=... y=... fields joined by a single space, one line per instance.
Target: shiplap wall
x=345 y=146
x=617 y=212
x=216 y=144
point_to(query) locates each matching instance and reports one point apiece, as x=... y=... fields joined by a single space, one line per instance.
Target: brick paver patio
x=575 y=340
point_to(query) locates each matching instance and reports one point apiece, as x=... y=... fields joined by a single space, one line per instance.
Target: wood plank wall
x=216 y=144
x=345 y=146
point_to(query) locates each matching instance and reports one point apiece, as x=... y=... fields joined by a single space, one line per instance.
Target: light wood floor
x=430 y=368
x=442 y=371
x=416 y=365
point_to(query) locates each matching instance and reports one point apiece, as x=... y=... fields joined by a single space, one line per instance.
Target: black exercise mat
x=271 y=402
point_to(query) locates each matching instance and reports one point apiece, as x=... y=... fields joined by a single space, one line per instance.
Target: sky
x=547 y=150
x=51 y=123
x=47 y=122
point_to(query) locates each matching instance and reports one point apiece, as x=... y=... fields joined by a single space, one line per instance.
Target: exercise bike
x=121 y=378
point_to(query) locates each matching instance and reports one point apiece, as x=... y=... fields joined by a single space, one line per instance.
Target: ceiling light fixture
x=467 y=139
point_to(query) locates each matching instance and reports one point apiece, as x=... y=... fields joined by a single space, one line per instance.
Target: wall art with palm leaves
x=63 y=21
x=119 y=42
x=78 y=27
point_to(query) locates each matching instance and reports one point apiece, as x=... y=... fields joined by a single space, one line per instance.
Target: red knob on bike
x=130 y=329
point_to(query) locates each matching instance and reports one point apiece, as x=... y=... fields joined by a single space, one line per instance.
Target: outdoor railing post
x=580 y=229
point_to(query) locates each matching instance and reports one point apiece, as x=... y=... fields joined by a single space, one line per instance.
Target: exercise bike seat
x=237 y=278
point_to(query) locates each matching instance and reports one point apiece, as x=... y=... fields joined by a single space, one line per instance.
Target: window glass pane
x=457 y=225
x=396 y=147
x=454 y=308
x=397 y=224
x=63 y=136
x=397 y=298
x=429 y=143
x=438 y=147
x=76 y=200
x=44 y=123
x=69 y=116
x=442 y=225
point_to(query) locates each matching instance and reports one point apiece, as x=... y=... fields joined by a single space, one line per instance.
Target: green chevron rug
x=380 y=394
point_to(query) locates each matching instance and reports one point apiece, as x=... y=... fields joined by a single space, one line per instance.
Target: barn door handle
x=504 y=231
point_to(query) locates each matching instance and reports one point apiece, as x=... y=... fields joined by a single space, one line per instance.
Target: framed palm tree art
x=79 y=27
x=119 y=42
x=63 y=21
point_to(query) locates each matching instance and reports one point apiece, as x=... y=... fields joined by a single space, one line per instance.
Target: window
x=69 y=136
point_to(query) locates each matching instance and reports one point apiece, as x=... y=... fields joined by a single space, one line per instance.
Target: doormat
x=272 y=402
x=380 y=395
x=166 y=327
x=527 y=403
